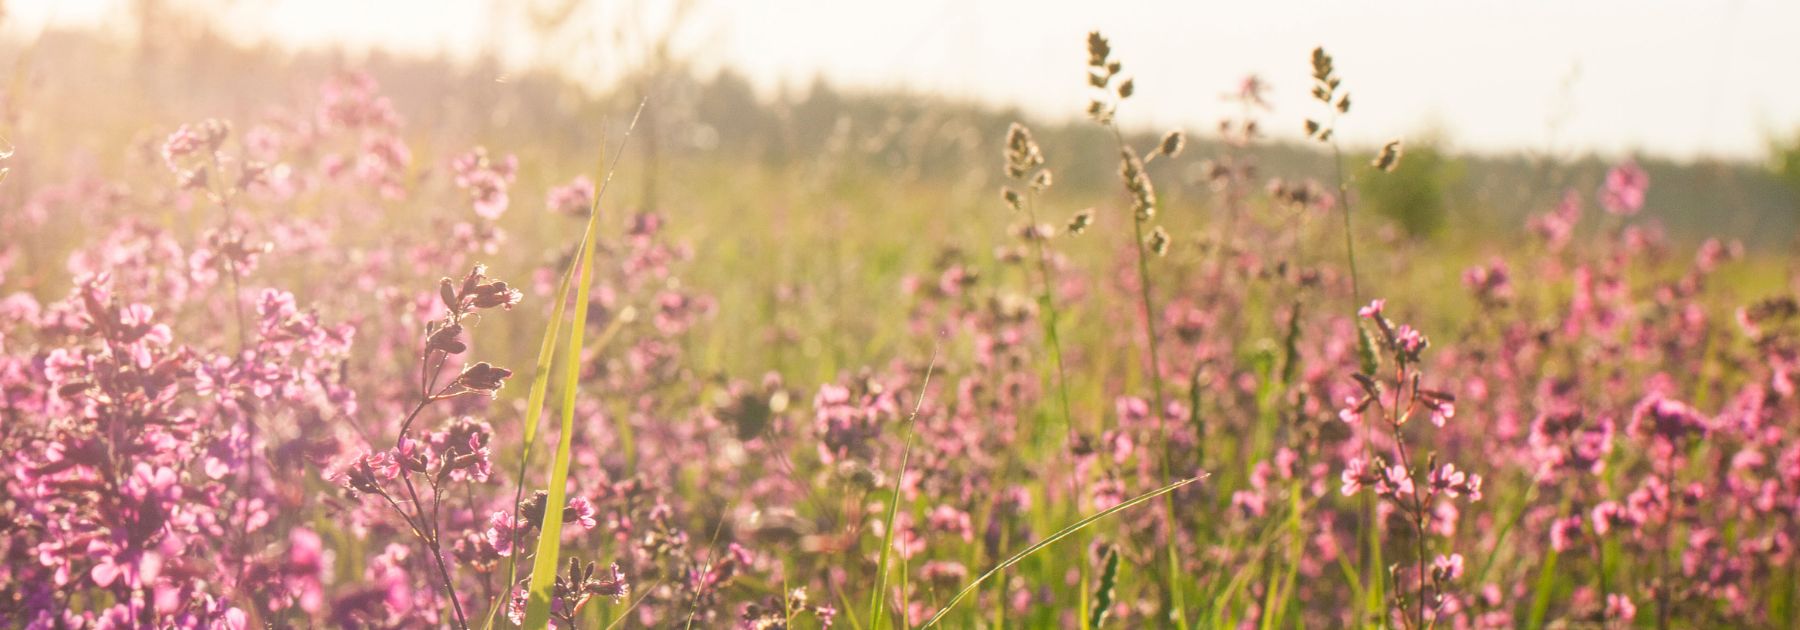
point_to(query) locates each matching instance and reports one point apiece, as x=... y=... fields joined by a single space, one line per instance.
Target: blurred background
x=856 y=131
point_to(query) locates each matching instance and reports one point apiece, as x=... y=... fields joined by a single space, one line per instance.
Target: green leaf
x=1103 y=594
x=1366 y=356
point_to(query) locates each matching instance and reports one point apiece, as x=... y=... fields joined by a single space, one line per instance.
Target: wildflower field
x=338 y=358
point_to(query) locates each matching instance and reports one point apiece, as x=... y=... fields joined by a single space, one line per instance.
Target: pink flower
x=1447 y=568
x=581 y=512
x=485 y=180
x=573 y=199
x=952 y=521
x=1565 y=532
x=1623 y=192
x=1447 y=479
x=1410 y=340
x=500 y=532
x=1353 y=409
x=1397 y=482
x=1355 y=471
x=1442 y=411
x=1619 y=606
x=1373 y=310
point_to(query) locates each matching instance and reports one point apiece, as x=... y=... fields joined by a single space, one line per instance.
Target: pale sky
x=1675 y=78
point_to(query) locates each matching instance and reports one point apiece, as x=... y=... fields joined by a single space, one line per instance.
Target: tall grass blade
x=549 y=547
x=876 y=616
x=1052 y=539
x=534 y=410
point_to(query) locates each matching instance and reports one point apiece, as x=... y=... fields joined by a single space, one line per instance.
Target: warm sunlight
x=1682 y=79
x=809 y=314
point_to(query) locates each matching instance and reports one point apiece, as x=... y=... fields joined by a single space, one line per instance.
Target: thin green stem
x=1343 y=187
x=1047 y=298
x=1156 y=381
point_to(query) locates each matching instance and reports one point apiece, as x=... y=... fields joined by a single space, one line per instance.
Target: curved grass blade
x=1052 y=539
x=549 y=547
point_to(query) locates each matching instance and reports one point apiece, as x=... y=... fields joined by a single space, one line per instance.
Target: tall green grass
x=549 y=547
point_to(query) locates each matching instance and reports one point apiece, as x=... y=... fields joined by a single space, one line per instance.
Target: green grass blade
x=1103 y=594
x=534 y=410
x=876 y=616
x=549 y=547
x=1546 y=584
x=1052 y=539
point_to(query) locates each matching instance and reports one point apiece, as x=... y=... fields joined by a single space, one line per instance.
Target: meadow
x=304 y=343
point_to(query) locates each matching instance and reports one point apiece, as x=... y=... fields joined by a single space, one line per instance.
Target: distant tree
x=1416 y=193
x=1785 y=160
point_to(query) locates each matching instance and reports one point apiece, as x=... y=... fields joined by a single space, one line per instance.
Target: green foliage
x=1416 y=193
x=1785 y=160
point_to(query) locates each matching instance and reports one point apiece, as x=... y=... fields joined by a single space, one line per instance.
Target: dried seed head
x=1098 y=111
x=1041 y=182
x=1321 y=65
x=1325 y=90
x=1099 y=50
x=1012 y=198
x=1022 y=152
x=1159 y=241
x=1389 y=158
x=1127 y=88
x=1172 y=144
x=1081 y=221
x=1143 y=193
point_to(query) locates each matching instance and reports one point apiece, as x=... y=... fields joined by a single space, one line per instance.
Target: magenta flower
x=486 y=181
x=1373 y=310
x=1565 y=532
x=1623 y=192
x=581 y=512
x=573 y=199
x=1619 y=606
x=1354 y=475
x=1447 y=568
x=500 y=532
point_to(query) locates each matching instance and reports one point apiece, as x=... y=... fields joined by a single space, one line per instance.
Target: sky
x=1680 y=79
